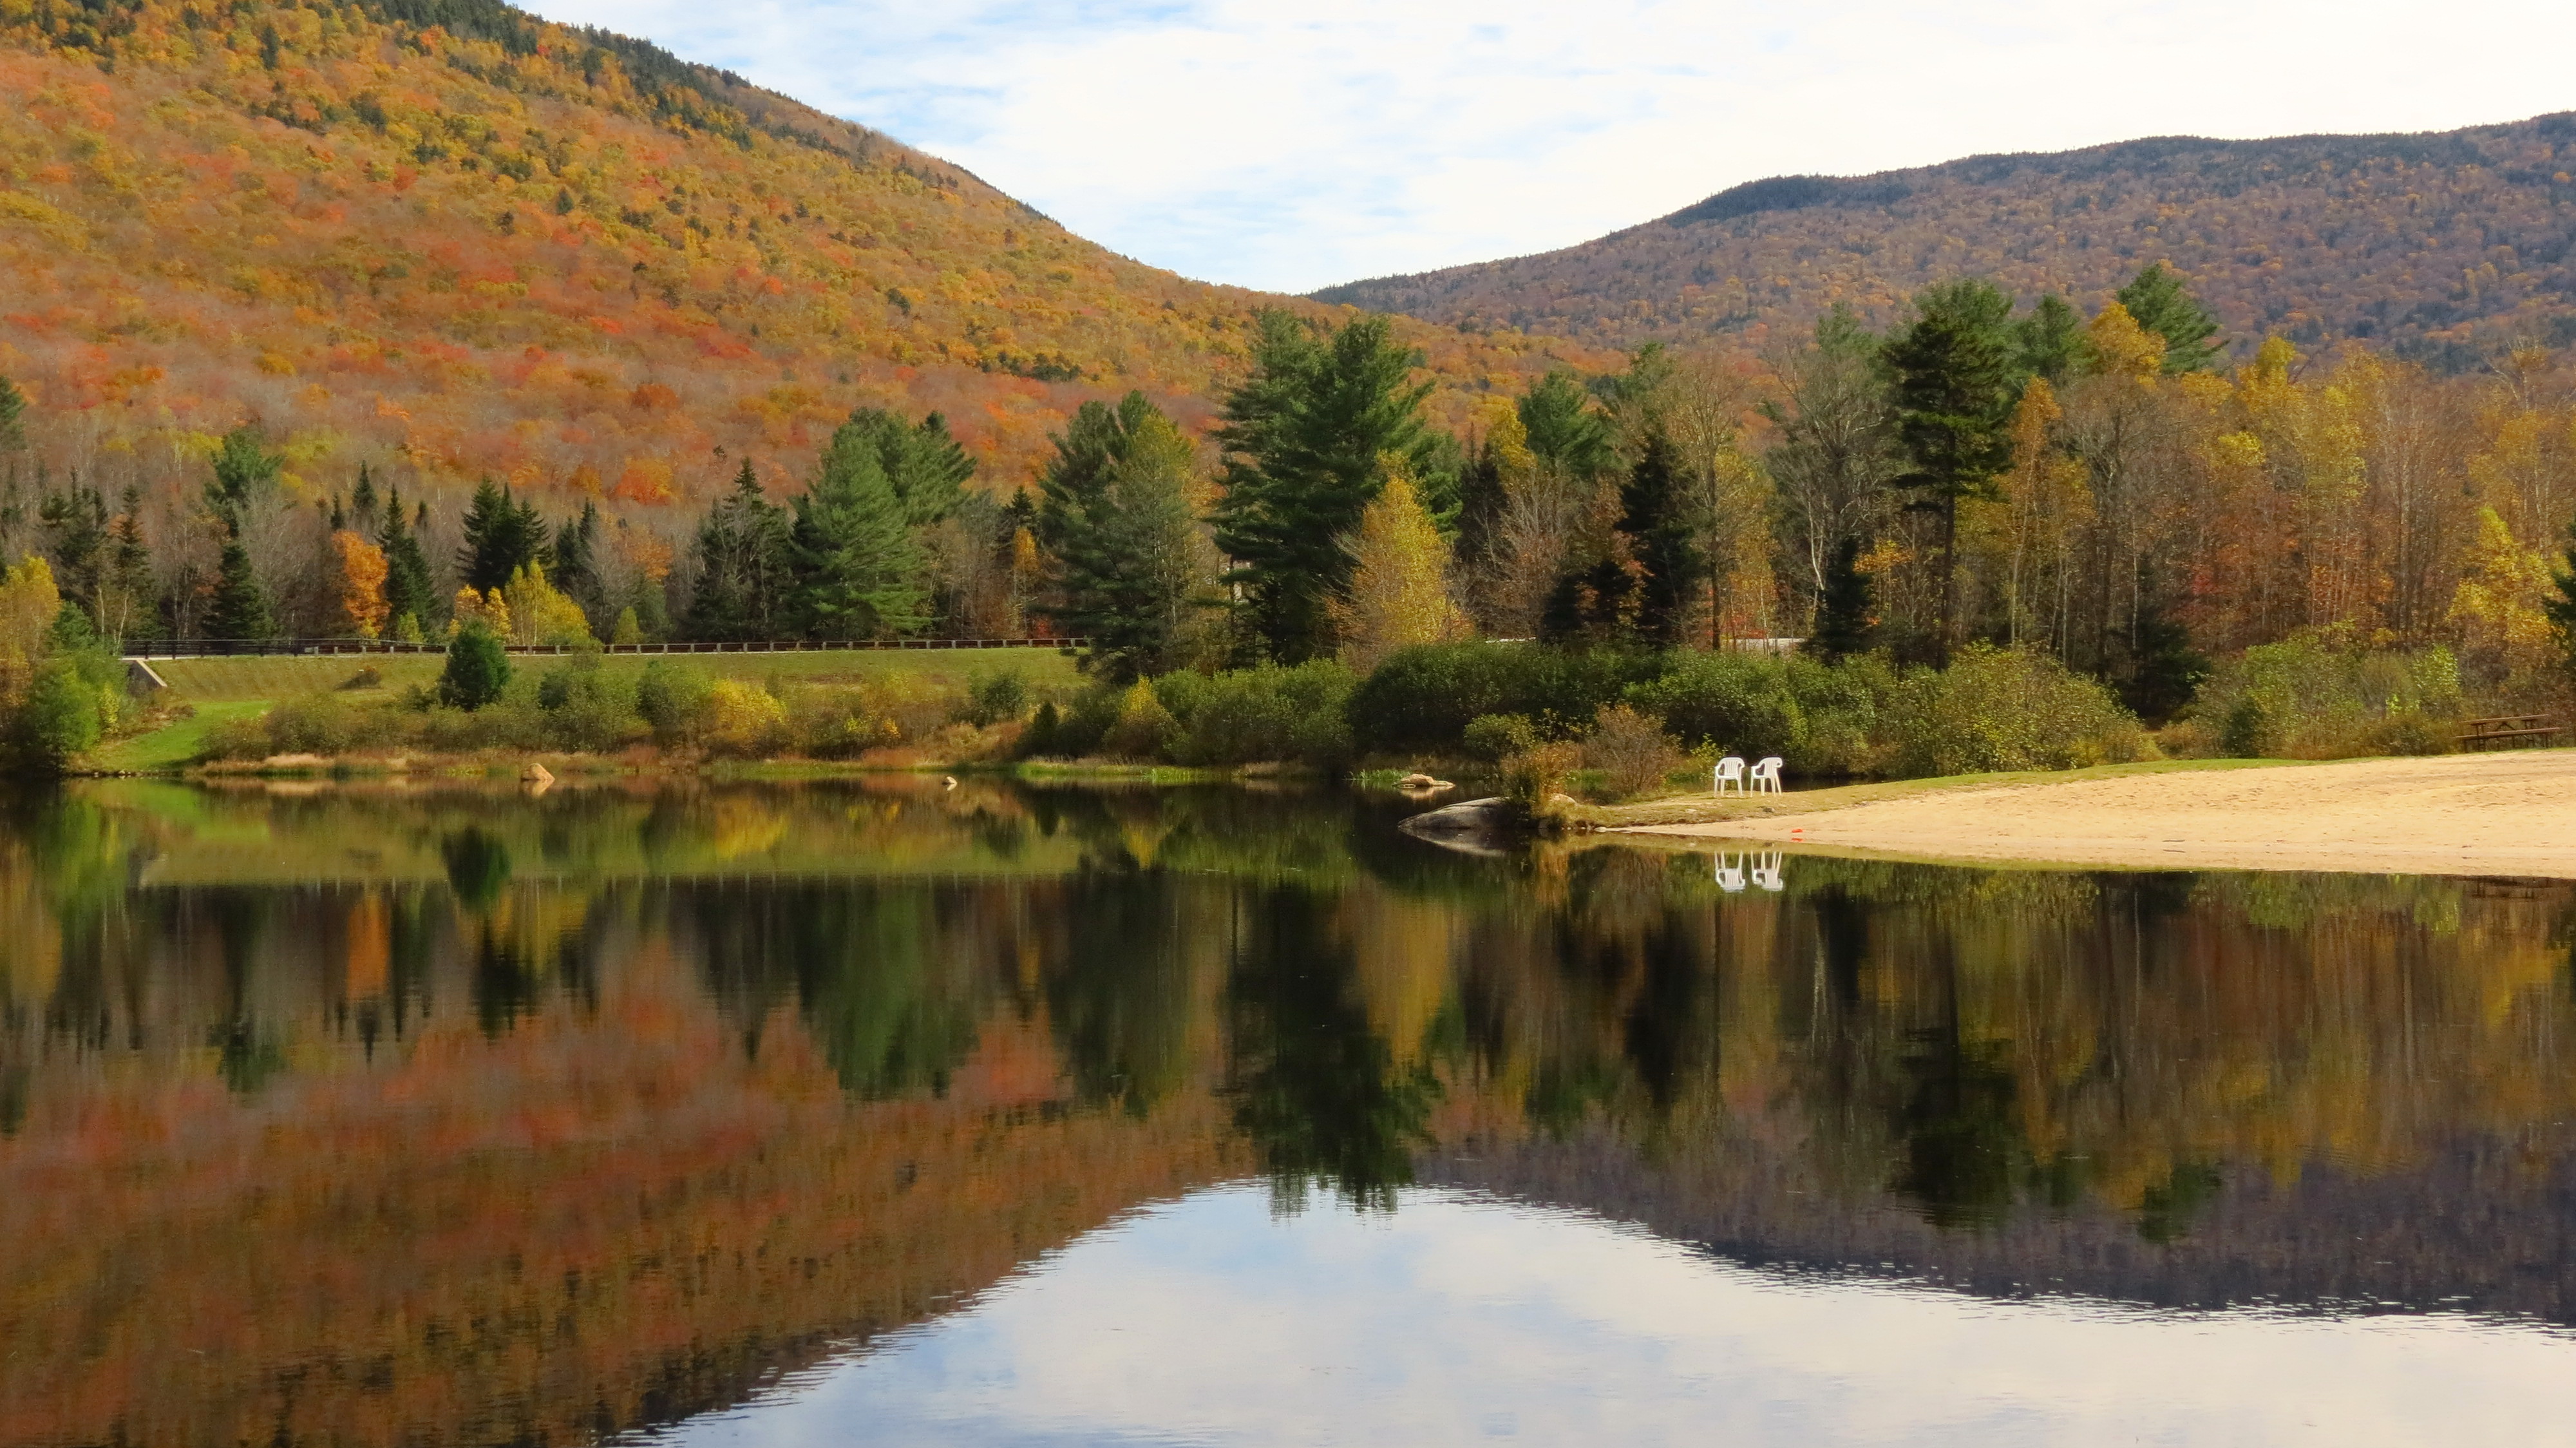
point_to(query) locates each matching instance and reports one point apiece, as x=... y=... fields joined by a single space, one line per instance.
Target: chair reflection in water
x=1764 y=870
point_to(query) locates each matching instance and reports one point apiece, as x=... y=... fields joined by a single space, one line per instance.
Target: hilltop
x=450 y=238
x=2435 y=245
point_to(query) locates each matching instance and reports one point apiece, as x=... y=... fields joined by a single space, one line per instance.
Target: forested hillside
x=449 y=239
x=2438 y=245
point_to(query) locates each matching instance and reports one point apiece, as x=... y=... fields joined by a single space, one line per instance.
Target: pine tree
x=743 y=566
x=576 y=566
x=2049 y=343
x=1305 y=436
x=409 y=591
x=13 y=416
x=1115 y=517
x=502 y=536
x=858 y=569
x=926 y=467
x=1564 y=429
x=2160 y=303
x=1664 y=538
x=1846 y=614
x=240 y=609
x=1954 y=385
x=125 y=599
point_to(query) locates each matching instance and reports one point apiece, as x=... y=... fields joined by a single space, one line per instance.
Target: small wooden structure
x=2506 y=730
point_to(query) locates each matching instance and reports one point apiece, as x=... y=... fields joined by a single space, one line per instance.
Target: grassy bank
x=266 y=680
x=228 y=691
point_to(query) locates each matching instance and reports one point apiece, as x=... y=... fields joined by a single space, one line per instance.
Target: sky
x=1291 y=146
x=1466 y=1320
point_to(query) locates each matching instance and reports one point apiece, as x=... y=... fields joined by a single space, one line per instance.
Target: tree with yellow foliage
x=1399 y=590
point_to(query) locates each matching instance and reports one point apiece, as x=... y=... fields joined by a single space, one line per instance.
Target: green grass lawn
x=173 y=745
x=207 y=681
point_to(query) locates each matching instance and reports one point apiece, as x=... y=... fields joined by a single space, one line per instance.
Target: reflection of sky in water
x=1466 y=1320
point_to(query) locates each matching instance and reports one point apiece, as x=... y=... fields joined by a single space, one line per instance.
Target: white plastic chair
x=1766 y=775
x=1730 y=770
x=1767 y=873
x=1730 y=874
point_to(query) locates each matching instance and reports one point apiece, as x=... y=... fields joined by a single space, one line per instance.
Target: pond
x=882 y=1112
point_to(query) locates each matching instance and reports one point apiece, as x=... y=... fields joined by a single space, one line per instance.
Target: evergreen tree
x=244 y=468
x=1115 y=517
x=76 y=535
x=502 y=536
x=1664 y=538
x=1953 y=382
x=926 y=467
x=743 y=566
x=2050 y=342
x=13 y=416
x=576 y=565
x=410 y=593
x=1846 y=614
x=2560 y=604
x=240 y=609
x=858 y=570
x=125 y=608
x=1564 y=427
x=364 y=506
x=2159 y=302
x=478 y=667
x=1306 y=436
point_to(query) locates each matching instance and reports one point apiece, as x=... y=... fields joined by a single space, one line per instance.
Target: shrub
x=673 y=700
x=1425 y=697
x=2004 y=709
x=997 y=698
x=1043 y=734
x=369 y=677
x=1495 y=737
x=1258 y=716
x=1817 y=717
x=1630 y=749
x=478 y=668
x=588 y=707
x=63 y=714
x=1536 y=775
x=1142 y=727
x=237 y=739
x=325 y=724
x=833 y=721
x=2321 y=695
x=2248 y=733
x=744 y=719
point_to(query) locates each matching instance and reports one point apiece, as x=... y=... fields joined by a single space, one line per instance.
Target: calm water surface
x=880 y=1113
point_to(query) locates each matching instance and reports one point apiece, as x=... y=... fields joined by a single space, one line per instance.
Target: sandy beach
x=2477 y=814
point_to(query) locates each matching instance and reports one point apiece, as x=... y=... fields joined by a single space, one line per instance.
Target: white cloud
x=1462 y=1319
x=1295 y=146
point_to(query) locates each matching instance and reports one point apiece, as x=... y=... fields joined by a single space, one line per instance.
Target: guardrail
x=281 y=648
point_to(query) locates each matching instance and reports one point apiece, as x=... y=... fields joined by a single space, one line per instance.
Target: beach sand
x=2461 y=814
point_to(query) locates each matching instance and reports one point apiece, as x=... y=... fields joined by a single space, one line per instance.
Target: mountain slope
x=449 y=237
x=2432 y=243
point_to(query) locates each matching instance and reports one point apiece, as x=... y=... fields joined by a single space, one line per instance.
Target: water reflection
x=449 y=1114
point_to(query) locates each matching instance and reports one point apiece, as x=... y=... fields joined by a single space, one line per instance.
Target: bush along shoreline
x=1556 y=725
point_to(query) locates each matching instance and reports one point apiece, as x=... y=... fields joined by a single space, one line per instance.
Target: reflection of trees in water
x=1316 y=1090
x=890 y=978
x=1118 y=988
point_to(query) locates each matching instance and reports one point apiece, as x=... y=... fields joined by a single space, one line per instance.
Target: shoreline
x=2508 y=814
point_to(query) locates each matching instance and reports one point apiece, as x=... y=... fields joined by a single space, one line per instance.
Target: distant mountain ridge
x=451 y=239
x=2438 y=244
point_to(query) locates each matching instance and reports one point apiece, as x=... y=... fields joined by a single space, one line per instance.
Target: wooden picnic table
x=2506 y=727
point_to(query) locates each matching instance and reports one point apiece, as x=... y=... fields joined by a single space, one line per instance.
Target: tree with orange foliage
x=358 y=584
